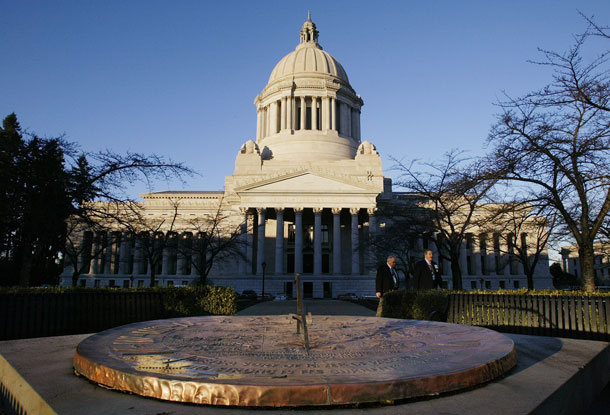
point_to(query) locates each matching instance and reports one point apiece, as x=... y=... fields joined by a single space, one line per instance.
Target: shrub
x=418 y=305
x=219 y=301
x=431 y=305
x=199 y=301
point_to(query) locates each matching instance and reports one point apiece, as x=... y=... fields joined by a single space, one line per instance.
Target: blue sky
x=178 y=78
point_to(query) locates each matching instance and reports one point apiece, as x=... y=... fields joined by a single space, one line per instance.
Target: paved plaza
x=552 y=375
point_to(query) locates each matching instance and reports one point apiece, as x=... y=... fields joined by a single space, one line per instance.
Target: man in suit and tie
x=387 y=278
x=426 y=275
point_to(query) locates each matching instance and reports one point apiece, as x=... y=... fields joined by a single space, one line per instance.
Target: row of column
x=298 y=243
x=118 y=253
x=290 y=113
x=478 y=257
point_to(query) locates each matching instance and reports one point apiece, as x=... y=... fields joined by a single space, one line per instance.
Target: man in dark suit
x=387 y=277
x=426 y=275
x=386 y=280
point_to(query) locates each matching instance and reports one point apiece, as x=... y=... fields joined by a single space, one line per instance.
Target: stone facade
x=304 y=196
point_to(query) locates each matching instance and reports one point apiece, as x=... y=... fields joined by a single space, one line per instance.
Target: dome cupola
x=308 y=109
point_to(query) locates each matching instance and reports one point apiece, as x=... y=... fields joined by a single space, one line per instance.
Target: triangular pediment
x=306 y=182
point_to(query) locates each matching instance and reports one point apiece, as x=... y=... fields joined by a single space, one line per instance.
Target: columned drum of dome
x=308 y=108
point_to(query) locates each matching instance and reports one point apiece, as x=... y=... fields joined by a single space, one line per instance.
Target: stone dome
x=308 y=58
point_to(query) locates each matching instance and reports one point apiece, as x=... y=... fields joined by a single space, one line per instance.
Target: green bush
x=418 y=305
x=199 y=301
x=219 y=301
x=430 y=305
x=392 y=304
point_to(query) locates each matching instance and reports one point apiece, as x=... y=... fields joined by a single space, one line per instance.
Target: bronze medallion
x=261 y=361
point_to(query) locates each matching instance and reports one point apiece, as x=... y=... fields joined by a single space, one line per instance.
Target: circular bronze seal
x=261 y=361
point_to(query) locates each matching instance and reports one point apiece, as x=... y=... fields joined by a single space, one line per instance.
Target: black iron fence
x=28 y=315
x=583 y=317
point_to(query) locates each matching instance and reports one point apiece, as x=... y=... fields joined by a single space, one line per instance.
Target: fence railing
x=544 y=315
x=56 y=314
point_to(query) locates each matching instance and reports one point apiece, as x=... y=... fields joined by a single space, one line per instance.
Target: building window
x=291 y=233
x=96 y=283
x=125 y=283
x=140 y=283
x=170 y=283
x=185 y=283
x=516 y=285
x=502 y=285
x=111 y=283
x=488 y=285
x=473 y=285
x=83 y=283
x=325 y=234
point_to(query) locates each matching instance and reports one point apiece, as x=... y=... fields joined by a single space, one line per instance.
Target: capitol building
x=304 y=197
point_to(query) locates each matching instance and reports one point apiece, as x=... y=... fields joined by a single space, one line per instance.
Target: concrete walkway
x=315 y=307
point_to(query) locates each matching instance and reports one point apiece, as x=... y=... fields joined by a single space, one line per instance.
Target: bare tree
x=155 y=233
x=82 y=246
x=526 y=230
x=403 y=227
x=216 y=238
x=451 y=191
x=556 y=142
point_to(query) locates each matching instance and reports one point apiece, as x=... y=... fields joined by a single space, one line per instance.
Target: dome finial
x=309 y=33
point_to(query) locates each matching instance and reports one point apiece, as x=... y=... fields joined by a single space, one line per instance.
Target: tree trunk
x=152 y=273
x=587 y=260
x=456 y=272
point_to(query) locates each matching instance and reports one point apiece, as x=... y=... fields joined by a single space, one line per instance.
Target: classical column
x=261 y=240
x=504 y=255
x=333 y=114
x=317 y=241
x=358 y=136
x=243 y=240
x=355 y=242
x=109 y=253
x=165 y=258
x=273 y=118
x=283 y=115
x=463 y=259
x=279 y=241
x=475 y=257
x=96 y=254
x=196 y=255
x=303 y=112
x=124 y=255
x=298 y=239
x=372 y=231
x=523 y=241
x=259 y=124
x=324 y=114
x=137 y=256
x=290 y=113
x=314 y=113
x=491 y=255
x=336 y=240
x=180 y=258
x=267 y=121
x=348 y=120
x=419 y=246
